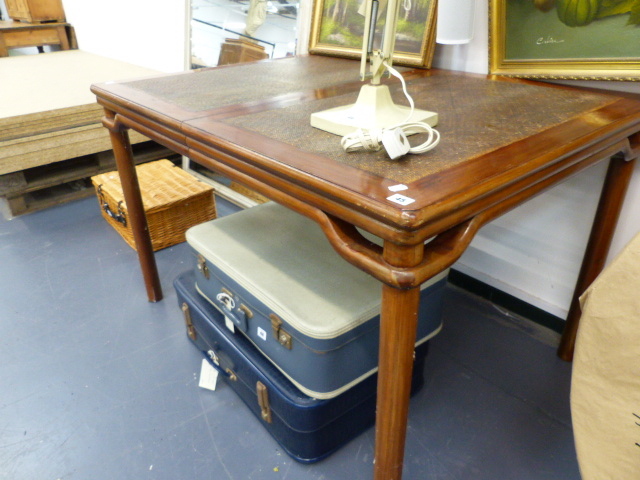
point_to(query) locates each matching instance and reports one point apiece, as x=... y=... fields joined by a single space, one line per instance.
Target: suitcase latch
x=191 y=330
x=263 y=401
x=279 y=333
x=202 y=266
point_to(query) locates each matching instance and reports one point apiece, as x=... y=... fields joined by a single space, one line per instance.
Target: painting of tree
x=343 y=25
x=339 y=26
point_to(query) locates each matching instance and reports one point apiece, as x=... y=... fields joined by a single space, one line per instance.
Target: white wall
x=535 y=251
x=149 y=33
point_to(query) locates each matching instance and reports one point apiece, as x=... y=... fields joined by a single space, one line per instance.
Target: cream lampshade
x=455 y=21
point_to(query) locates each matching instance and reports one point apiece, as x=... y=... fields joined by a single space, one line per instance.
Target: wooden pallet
x=45 y=186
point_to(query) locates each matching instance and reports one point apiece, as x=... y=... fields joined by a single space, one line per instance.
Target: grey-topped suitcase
x=277 y=280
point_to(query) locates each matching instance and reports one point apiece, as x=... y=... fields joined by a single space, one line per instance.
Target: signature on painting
x=548 y=40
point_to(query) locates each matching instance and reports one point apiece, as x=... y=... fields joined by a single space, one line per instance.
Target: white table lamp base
x=374 y=110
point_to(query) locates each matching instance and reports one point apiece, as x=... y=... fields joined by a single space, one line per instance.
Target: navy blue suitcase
x=308 y=429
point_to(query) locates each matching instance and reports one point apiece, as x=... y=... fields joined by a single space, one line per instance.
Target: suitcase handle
x=227 y=305
x=226 y=300
x=213 y=359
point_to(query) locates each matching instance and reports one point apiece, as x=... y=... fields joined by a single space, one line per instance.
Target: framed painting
x=565 y=39
x=337 y=29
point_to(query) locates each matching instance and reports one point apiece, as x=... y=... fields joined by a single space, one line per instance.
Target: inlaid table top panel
x=475 y=118
x=209 y=89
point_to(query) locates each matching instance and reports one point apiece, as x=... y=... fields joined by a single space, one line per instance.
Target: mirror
x=217 y=30
x=233 y=29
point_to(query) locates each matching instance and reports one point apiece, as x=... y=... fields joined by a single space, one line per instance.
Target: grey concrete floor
x=96 y=383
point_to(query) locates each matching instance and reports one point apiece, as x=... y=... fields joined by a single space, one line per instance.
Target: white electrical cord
x=394 y=138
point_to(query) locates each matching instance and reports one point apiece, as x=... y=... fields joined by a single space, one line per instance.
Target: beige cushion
x=605 y=390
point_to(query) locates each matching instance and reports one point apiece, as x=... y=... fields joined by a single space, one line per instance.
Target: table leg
x=64 y=38
x=4 y=50
x=135 y=209
x=604 y=225
x=398 y=323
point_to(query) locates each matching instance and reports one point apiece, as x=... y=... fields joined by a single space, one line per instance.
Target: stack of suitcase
x=291 y=326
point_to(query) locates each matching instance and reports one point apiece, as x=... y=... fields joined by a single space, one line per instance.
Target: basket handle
x=119 y=217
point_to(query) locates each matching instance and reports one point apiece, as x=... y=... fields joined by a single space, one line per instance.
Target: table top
x=499 y=136
x=14 y=25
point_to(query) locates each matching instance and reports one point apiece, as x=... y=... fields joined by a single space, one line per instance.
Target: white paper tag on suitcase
x=262 y=333
x=208 y=376
x=229 y=323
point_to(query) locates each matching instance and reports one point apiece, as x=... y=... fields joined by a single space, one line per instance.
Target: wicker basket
x=173 y=202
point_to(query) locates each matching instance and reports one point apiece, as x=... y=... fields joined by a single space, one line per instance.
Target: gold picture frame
x=337 y=30
x=545 y=40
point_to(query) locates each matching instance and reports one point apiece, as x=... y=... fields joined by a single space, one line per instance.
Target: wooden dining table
x=503 y=142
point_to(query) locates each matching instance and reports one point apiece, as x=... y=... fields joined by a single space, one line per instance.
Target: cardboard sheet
x=605 y=390
x=56 y=80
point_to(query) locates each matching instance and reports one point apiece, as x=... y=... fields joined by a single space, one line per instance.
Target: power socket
x=395 y=143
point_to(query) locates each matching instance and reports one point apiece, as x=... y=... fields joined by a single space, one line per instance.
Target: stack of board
x=51 y=135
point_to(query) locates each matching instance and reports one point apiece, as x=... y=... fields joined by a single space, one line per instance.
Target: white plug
x=395 y=143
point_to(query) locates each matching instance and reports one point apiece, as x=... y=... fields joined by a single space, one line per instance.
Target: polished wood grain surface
x=504 y=141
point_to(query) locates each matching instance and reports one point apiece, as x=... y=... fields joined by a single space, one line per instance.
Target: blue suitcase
x=278 y=281
x=307 y=429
